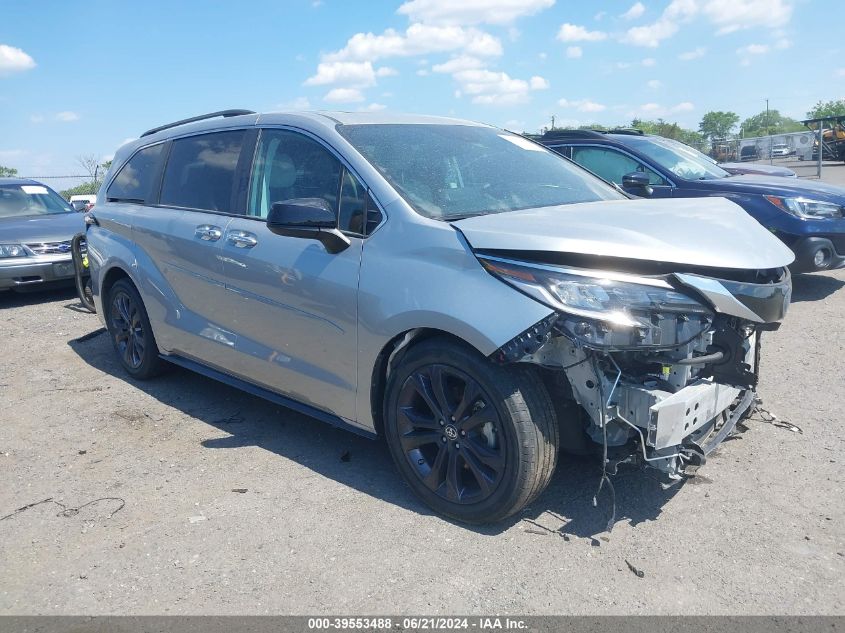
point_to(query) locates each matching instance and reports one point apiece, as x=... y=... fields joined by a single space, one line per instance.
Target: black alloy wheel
x=449 y=432
x=131 y=334
x=475 y=440
x=127 y=329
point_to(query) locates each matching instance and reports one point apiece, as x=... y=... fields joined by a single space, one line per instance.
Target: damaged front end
x=664 y=365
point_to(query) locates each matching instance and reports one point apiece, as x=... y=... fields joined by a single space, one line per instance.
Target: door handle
x=208 y=232
x=242 y=239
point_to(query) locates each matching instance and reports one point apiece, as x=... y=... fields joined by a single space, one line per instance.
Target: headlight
x=610 y=309
x=12 y=250
x=807 y=209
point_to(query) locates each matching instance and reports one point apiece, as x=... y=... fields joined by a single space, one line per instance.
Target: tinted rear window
x=200 y=172
x=135 y=181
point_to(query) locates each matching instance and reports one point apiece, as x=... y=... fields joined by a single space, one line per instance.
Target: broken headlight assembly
x=608 y=310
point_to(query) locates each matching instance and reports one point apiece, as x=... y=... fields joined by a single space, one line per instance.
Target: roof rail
x=626 y=130
x=202 y=117
x=552 y=134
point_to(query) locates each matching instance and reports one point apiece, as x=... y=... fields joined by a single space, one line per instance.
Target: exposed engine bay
x=662 y=365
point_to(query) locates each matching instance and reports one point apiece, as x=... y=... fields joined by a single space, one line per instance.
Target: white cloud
x=748 y=52
x=300 y=103
x=344 y=95
x=666 y=26
x=575 y=33
x=456 y=64
x=355 y=74
x=598 y=17
x=634 y=12
x=418 y=39
x=650 y=35
x=783 y=44
x=648 y=62
x=654 y=83
x=67 y=116
x=734 y=15
x=487 y=87
x=373 y=107
x=726 y=15
x=538 y=83
x=422 y=72
x=655 y=109
x=469 y=12
x=36 y=118
x=753 y=49
x=14 y=60
x=693 y=54
x=841 y=72
x=543 y=56
x=582 y=105
x=574 y=52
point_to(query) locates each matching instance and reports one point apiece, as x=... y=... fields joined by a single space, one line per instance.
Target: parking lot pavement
x=180 y=495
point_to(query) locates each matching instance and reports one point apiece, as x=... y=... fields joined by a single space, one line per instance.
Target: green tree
x=772 y=122
x=85 y=189
x=8 y=172
x=717 y=124
x=827 y=108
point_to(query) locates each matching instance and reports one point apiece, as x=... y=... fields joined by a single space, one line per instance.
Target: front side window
x=611 y=164
x=454 y=171
x=200 y=172
x=291 y=166
x=23 y=200
x=134 y=182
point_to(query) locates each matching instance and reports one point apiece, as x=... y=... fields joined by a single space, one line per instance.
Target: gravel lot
x=182 y=496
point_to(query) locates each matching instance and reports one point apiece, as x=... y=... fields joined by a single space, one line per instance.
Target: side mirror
x=637 y=183
x=309 y=218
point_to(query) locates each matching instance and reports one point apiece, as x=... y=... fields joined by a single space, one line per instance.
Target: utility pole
x=768 y=132
x=553 y=122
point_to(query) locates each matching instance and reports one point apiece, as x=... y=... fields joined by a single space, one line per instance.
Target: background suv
x=806 y=216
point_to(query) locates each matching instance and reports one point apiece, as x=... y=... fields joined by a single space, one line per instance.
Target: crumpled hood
x=710 y=232
x=54 y=227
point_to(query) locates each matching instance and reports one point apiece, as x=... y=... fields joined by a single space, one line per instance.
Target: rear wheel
x=476 y=441
x=131 y=334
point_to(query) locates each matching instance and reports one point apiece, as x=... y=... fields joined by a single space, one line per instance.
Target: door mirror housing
x=309 y=218
x=637 y=183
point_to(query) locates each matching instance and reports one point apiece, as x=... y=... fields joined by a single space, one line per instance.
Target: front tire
x=130 y=331
x=476 y=441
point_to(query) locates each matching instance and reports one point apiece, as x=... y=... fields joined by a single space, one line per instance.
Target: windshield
x=682 y=160
x=456 y=171
x=21 y=200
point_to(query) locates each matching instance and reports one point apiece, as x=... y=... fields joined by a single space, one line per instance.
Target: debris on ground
x=67 y=511
x=639 y=573
x=345 y=456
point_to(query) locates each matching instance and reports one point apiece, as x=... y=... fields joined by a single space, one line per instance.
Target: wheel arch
x=391 y=354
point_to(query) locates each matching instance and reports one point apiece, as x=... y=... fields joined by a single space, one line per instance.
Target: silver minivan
x=476 y=299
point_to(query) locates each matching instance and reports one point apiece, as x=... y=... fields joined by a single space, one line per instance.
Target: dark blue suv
x=806 y=216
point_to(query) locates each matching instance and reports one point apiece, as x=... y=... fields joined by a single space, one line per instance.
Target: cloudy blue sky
x=82 y=77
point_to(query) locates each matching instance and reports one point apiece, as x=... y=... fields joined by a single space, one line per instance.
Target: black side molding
x=272 y=396
x=201 y=117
